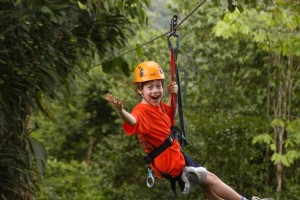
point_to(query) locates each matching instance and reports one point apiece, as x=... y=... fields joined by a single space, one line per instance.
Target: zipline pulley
x=173 y=26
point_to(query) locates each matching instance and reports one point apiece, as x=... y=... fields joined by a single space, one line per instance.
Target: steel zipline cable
x=162 y=35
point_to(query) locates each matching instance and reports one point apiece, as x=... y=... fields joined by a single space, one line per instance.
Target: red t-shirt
x=152 y=127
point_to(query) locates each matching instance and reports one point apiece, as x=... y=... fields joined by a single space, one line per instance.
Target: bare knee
x=211 y=179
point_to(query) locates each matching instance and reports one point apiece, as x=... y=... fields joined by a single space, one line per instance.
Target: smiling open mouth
x=155 y=98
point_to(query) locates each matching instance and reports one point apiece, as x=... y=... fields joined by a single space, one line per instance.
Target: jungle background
x=239 y=69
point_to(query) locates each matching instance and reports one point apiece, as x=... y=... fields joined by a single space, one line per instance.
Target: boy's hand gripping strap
x=175 y=75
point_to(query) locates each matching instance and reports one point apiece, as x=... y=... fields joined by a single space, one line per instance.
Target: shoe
x=192 y=177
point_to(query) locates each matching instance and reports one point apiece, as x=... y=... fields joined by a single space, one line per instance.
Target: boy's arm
x=127 y=117
x=118 y=104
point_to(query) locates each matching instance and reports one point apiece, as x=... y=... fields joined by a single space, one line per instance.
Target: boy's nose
x=155 y=90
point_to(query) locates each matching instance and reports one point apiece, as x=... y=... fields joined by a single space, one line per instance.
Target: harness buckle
x=169 y=140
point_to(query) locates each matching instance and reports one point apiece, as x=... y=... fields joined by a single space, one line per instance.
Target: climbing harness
x=175 y=133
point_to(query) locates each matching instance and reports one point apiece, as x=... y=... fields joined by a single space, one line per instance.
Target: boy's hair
x=139 y=86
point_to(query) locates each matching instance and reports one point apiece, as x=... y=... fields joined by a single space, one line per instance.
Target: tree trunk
x=16 y=173
x=90 y=150
x=268 y=110
x=281 y=109
x=279 y=166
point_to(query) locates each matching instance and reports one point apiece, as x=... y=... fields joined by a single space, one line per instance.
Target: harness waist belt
x=158 y=150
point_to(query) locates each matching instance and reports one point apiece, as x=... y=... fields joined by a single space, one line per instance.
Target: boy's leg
x=217 y=187
x=210 y=194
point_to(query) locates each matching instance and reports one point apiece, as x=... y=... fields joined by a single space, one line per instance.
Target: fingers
x=116 y=102
x=119 y=103
x=173 y=87
x=109 y=98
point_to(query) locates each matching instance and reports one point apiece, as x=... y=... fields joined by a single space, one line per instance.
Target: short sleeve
x=140 y=127
x=128 y=129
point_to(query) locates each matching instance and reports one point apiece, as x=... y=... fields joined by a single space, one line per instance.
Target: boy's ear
x=139 y=88
x=140 y=91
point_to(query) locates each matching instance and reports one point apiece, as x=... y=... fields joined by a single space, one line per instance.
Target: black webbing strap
x=173 y=184
x=158 y=150
x=180 y=110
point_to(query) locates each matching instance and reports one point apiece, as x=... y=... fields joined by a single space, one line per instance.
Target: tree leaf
x=277 y=123
x=125 y=68
x=107 y=66
x=39 y=153
x=263 y=138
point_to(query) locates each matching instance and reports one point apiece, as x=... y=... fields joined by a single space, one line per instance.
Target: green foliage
x=23 y=168
x=85 y=114
x=275 y=31
x=277 y=123
x=222 y=143
x=119 y=64
x=292 y=143
x=263 y=138
x=45 y=45
x=265 y=28
x=71 y=181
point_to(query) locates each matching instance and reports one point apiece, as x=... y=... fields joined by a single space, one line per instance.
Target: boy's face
x=152 y=92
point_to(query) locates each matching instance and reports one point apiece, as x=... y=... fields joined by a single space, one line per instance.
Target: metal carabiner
x=173 y=27
x=150 y=178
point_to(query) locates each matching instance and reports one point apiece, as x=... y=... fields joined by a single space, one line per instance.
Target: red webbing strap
x=173 y=98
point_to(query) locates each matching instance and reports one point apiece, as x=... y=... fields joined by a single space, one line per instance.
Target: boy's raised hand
x=116 y=102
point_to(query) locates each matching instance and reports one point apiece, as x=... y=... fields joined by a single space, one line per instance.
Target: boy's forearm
x=170 y=103
x=127 y=117
x=170 y=100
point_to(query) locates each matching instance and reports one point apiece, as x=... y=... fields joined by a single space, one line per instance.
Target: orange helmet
x=147 y=71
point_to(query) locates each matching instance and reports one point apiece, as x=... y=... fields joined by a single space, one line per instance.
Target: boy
x=151 y=120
